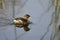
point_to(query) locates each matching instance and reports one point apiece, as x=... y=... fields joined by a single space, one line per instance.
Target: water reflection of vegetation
x=55 y=17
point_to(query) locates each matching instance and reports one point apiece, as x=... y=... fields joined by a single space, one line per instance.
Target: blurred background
x=36 y=9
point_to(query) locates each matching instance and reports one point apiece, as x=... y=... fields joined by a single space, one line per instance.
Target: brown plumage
x=22 y=22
